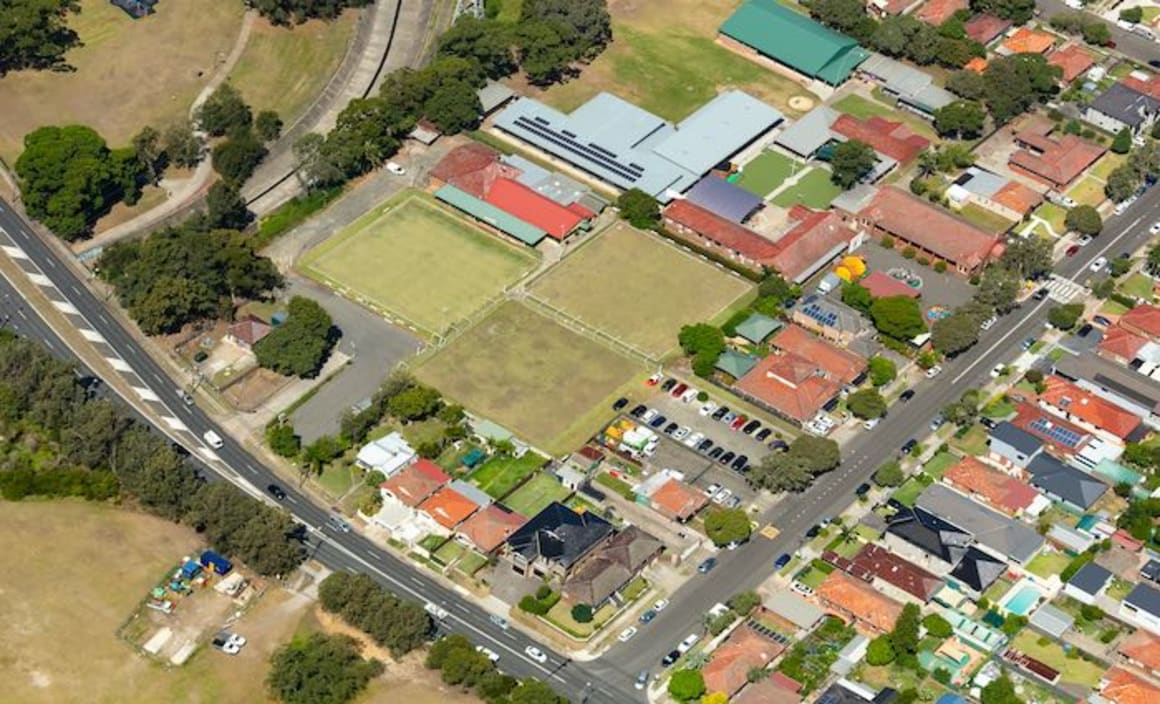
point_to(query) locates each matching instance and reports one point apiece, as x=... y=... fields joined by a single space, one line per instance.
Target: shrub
x=582 y=613
x=880 y=652
x=543 y=592
x=937 y=626
x=1091 y=612
x=887 y=241
x=909 y=252
x=923 y=261
x=940 y=266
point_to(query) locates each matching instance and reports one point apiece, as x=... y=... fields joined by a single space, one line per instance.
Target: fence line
x=576 y=325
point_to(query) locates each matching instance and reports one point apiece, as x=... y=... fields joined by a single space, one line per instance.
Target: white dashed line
x=66 y=307
x=92 y=335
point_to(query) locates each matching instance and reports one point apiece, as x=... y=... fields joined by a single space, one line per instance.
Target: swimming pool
x=1023 y=600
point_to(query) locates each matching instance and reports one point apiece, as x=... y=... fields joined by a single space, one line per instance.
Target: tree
x=954 y=333
x=415 y=403
x=300 y=345
x=898 y=317
x=286 y=12
x=846 y=15
x=69 y=178
x=1018 y=11
x=487 y=43
x=35 y=34
x=150 y=153
x=225 y=208
x=1132 y=14
x=1122 y=183
x=533 y=691
x=963 y=411
x=967 y=84
x=181 y=145
x=724 y=526
x=937 y=626
x=857 y=297
x=268 y=125
x=1096 y=33
x=1014 y=84
x=1030 y=257
x=1122 y=144
x=889 y=474
x=283 y=440
x=1000 y=691
x=586 y=23
x=686 y=685
x=904 y=635
x=582 y=613
x=998 y=289
x=453 y=107
x=320 y=669
x=1064 y=317
x=639 y=209
x=237 y=157
x=962 y=119
x=882 y=370
x=775 y=287
x=781 y=471
x=224 y=111
x=880 y=651
x=850 y=162
x=1084 y=219
x=744 y=602
x=867 y=403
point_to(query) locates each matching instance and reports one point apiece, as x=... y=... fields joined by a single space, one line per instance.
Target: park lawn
x=1048 y=563
x=129 y=73
x=664 y=57
x=940 y=463
x=991 y=222
x=1088 y=191
x=529 y=374
x=765 y=173
x=638 y=288
x=864 y=108
x=536 y=494
x=1139 y=285
x=1075 y=670
x=500 y=474
x=1107 y=163
x=284 y=68
x=813 y=190
x=412 y=259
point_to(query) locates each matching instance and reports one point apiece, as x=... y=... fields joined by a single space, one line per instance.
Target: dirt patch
x=256 y=388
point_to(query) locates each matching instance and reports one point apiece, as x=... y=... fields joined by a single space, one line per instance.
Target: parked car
x=707 y=408
x=937 y=422
x=727 y=457
x=396 y=169
x=648 y=616
x=720 y=413
x=620 y=403
x=751 y=427
x=1072 y=250
x=669 y=384
x=762 y=434
x=638 y=410
x=658 y=421
x=989 y=323
x=693 y=440
x=536 y=654
x=737 y=423
x=437 y=612
x=741 y=463
x=872 y=423
x=716 y=452
x=906 y=395
x=499 y=621
x=782 y=561
x=488 y=653
x=661 y=605
x=1084 y=240
x=722 y=496
x=1040 y=294
x=682 y=432
x=779 y=445
x=670 y=658
x=987 y=423
x=707 y=565
x=733 y=502
x=671 y=428
x=653 y=380
x=1098 y=265
x=338 y=524
x=627 y=634
x=909 y=445
x=690 y=395
x=997 y=370
x=704 y=446
x=1155 y=229
x=225 y=642
x=863 y=489
x=933 y=372
x=1029 y=343
x=649 y=415
x=1084 y=330
x=728 y=418
x=277 y=492
x=679 y=389
x=641 y=680
x=712 y=489
x=813 y=531
x=690 y=640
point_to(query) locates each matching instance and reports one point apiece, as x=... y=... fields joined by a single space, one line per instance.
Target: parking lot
x=699 y=471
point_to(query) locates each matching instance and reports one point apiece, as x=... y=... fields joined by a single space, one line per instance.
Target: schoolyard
x=638 y=288
x=648 y=62
x=129 y=73
x=411 y=259
x=766 y=172
x=531 y=375
x=813 y=190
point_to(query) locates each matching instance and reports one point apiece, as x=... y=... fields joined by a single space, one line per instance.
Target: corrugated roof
x=912 y=85
x=533 y=208
x=726 y=199
x=757 y=327
x=810 y=132
x=1005 y=536
x=488 y=213
x=795 y=40
x=736 y=364
x=1051 y=620
x=717 y=129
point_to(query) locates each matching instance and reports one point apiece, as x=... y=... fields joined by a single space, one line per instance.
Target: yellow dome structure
x=856 y=266
x=843 y=273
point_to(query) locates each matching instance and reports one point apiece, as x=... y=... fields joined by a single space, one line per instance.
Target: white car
x=693 y=440
x=1155 y=229
x=660 y=605
x=988 y=323
x=801 y=589
x=396 y=169
x=690 y=395
x=825 y=421
x=1098 y=265
x=437 y=612
x=536 y=654
x=1084 y=240
x=649 y=415
x=1125 y=25
x=1122 y=207
x=682 y=432
x=933 y=372
x=872 y=423
x=708 y=408
x=998 y=370
x=689 y=641
x=710 y=492
x=627 y=634
x=722 y=496
x=488 y=653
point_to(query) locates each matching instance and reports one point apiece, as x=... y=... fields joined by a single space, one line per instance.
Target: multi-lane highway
x=607 y=679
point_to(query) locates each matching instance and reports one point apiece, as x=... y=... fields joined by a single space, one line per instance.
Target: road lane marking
x=14 y=251
x=40 y=279
x=174 y=423
x=91 y=335
x=65 y=307
x=146 y=393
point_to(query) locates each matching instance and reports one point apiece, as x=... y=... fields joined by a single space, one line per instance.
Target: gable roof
x=1073 y=59
x=1051 y=430
x=882 y=285
x=415 y=482
x=1087 y=407
x=724 y=232
x=1145 y=598
x=676 y=499
x=1068 y=483
x=861 y=601
x=1090 y=578
x=1018 y=197
x=930 y=227
x=1056 y=160
x=810 y=132
x=533 y=208
x=992 y=529
x=757 y=327
x=815 y=239
x=1142 y=647
x=792 y=385
x=723 y=198
x=1028 y=41
x=1052 y=620
x=1144 y=318
x=793 y=608
x=489 y=528
x=611 y=566
x=935 y=12
x=249 y=330
x=559 y=534
x=716 y=130
x=839 y=364
x=1126 y=102
x=984 y=28
x=769 y=690
x=881 y=563
x=1023 y=441
x=1122 y=343
x=911 y=85
x=735 y=364
x=741 y=652
x=930 y=533
x=888 y=137
x=448 y=507
x=1001 y=490
x=1122 y=687
x=794 y=40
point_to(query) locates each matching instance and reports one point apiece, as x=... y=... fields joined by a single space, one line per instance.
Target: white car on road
x=627 y=634
x=1098 y=265
x=933 y=371
x=536 y=654
x=1155 y=229
x=488 y=653
x=396 y=169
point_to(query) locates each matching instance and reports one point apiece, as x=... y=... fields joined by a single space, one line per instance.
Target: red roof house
x=1073 y=59
x=812 y=243
x=1055 y=162
x=1028 y=41
x=531 y=207
x=838 y=364
x=448 y=507
x=1122 y=687
x=1149 y=87
x=415 y=482
x=1142 y=320
x=935 y=12
x=790 y=385
x=994 y=488
x=1142 y=649
x=770 y=690
x=1120 y=345
x=893 y=139
x=879 y=563
x=732 y=661
x=985 y=28
x=248 y=331
x=677 y=500
x=1086 y=409
x=852 y=599
x=1017 y=197
x=472 y=168
x=489 y=528
x=883 y=285
x=1047 y=427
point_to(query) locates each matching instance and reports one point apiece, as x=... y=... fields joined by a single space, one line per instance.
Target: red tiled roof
x=416 y=482
x=249 y=330
x=893 y=139
x=839 y=364
x=892 y=569
x=935 y=12
x=815 y=235
x=977 y=64
x=1018 y=197
x=1087 y=407
x=1073 y=59
x=678 y=500
x=1028 y=41
x=768 y=691
x=1121 y=343
x=1059 y=161
x=472 y=168
x=1122 y=687
x=790 y=384
x=1142 y=647
x=724 y=232
x=487 y=529
x=860 y=601
x=984 y=28
x=1143 y=319
x=930 y=227
x=448 y=507
x=531 y=207
x=883 y=285
x=1002 y=491
x=1150 y=87
x=1026 y=414
x=732 y=660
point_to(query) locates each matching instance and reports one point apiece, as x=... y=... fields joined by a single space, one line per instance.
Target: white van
x=213 y=439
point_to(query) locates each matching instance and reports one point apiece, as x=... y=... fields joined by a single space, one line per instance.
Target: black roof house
x=930 y=533
x=559 y=535
x=1069 y=484
x=978 y=570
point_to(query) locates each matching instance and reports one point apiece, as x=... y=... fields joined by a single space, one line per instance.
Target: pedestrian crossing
x=1064 y=290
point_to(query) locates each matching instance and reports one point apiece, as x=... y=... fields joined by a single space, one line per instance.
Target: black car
x=704 y=446
x=277 y=492
x=707 y=565
x=740 y=463
x=716 y=452
x=751 y=427
x=987 y=423
x=727 y=457
x=620 y=403
x=671 y=428
x=658 y=421
x=863 y=489
x=1085 y=330
x=720 y=413
x=782 y=561
x=910 y=445
x=906 y=395
x=669 y=384
x=762 y=434
x=638 y=410
x=779 y=445
x=1040 y=294
x=670 y=658
x=814 y=530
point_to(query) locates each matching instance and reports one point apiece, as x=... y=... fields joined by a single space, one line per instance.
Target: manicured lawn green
x=536 y=494
x=1107 y=163
x=450 y=551
x=561 y=615
x=991 y=222
x=1088 y=191
x=1050 y=653
x=812 y=578
x=1046 y=564
x=813 y=190
x=997 y=590
x=864 y=108
x=336 y=480
x=499 y=475
x=1053 y=214
x=471 y=562
x=632 y=590
x=1138 y=285
x=973 y=443
x=908 y=493
x=1119 y=588
x=1110 y=307
x=939 y=464
x=766 y=172
x=509 y=10
x=1001 y=407
x=866 y=533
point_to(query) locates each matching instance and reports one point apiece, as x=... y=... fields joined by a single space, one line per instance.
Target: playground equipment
x=851 y=268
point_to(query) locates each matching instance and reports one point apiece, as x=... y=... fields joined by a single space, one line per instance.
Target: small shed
x=493 y=96
x=735 y=364
x=215 y=563
x=425 y=133
x=758 y=327
x=1051 y=620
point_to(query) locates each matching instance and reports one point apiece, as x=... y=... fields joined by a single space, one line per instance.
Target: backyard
x=985 y=219
x=1048 y=563
x=766 y=172
x=1139 y=285
x=501 y=474
x=648 y=61
x=938 y=465
x=531 y=375
x=536 y=494
x=810 y=659
x=813 y=190
x=1074 y=670
x=1089 y=191
x=411 y=259
x=864 y=108
x=638 y=288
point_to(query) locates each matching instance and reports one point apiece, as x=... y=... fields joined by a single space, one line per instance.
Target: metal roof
x=488 y=213
x=1020 y=439
x=492 y=95
x=758 y=326
x=736 y=364
x=728 y=200
x=809 y=133
x=981 y=182
x=1145 y=598
x=1051 y=620
x=1090 y=578
x=989 y=528
x=793 y=608
x=717 y=130
x=614 y=123
x=1112 y=378
x=1067 y=483
x=911 y=85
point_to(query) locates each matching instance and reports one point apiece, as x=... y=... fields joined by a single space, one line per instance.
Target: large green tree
x=954 y=333
x=1018 y=11
x=34 y=34
x=867 y=403
x=724 y=526
x=224 y=111
x=962 y=119
x=237 y=157
x=299 y=346
x=285 y=12
x=1014 y=84
x=898 y=317
x=1084 y=219
x=639 y=208
x=851 y=161
x=320 y=669
x=686 y=685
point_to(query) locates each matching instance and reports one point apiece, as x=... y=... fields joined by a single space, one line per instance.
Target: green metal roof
x=795 y=40
x=488 y=213
x=736 y=364
x=757 y=327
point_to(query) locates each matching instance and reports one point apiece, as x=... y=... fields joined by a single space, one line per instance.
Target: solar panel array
x=1061 y=435
x=820 y=314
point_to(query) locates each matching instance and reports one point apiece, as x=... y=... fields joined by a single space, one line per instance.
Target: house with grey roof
x=1011 y=446
x=1064 y=483
x=1142 y=608
x=612 y=566
x=1122 y=107
x=1088 y=583
x=831 y=319
x=554 y=541
x=1070 y=539
x=1123 y=386
x=794 y=609
x=915 y=90
x=1003 y=537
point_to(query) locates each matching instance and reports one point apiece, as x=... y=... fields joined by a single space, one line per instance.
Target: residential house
x=1089 y=411
x=1026 y=41
x=926 y=539
x=935 y=233
x=858 y=602
x=487 y=529
x=935 y=12
x=1057 y=436
x=413 y=484
x=996 y=489
x=743 y=651
x=554 y=541
x=976 y=572
x=897 y=577
x=914 y=90
x=1119 y=686
x=387 y=454
x=830 y=318
x=607 y=569
x=447 y=508
x=794 y=609
x=1072 y=59
x=1088 y=584
x=985 y=28
x=842 y=365
x=678 y=501
x=1012 y=447
x=1121 y=346
x=1005 y=197
x=1000 y=535
x=775 y=689
x=1130 y=104
x=246 y=332
x=1076 y=489
x=1054 y=161
x=1141 y=608
x=1142 y=320
x=1141 y=649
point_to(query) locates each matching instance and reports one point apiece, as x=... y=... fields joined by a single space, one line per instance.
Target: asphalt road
x=1127 y=43
x=340 y=551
